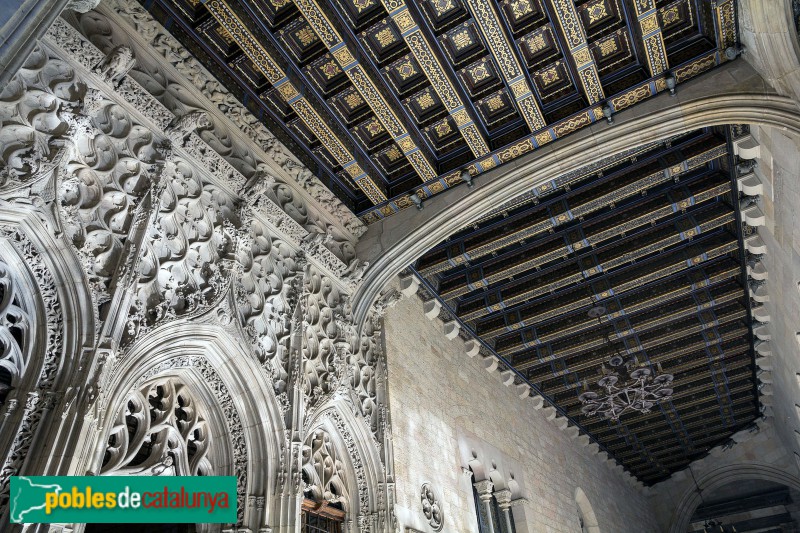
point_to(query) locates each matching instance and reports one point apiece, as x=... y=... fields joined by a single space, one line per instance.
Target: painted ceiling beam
x=504 y=266
x=547 y=223
x=278 y=78
x=489 y=24
x=346 y=60
x=575 y=36
x=652 y=36
x=428 y=61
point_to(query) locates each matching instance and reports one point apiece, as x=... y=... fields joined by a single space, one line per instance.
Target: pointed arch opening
x=586 y=516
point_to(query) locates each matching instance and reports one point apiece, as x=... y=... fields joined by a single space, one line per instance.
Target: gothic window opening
x=321 y=517
x=323 y=471
x=493 y=508
x=161 y=431
x=15 y=332
x=586 y=517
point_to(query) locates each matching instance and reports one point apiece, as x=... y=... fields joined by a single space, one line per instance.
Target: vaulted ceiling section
x=385 y=98
x=651 y=242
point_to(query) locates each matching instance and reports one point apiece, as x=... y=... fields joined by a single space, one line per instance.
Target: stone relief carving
x=431 y=507
x=160 y=430
x=153 y=213
x=34 y=111
x=116 y=64
x=181 y=127
x=103 y=189
x=266 y=294
x=324 y=337
x=186 y=261
x=42 y=396
x=235 y=428
x=323 y=472
x=16 y=329
x=168 y=90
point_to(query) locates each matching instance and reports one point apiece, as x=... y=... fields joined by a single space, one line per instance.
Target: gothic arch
x=681 y=517
x=246 y=418
x=362 y=470
x=41 y=288
x=732 y=94
x=586 y=511
x=53 y=274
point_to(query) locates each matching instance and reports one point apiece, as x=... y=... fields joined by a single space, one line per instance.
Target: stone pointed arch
x=586 y=512
x=732 y=473
x=731 y=94
x=242 y=415
x=44 y=286
x=368 y=504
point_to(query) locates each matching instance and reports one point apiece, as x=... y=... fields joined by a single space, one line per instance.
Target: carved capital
x=484 y=488
x=503 y=498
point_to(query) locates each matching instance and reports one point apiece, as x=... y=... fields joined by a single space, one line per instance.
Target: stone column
x=503 y=498
x=485 y=489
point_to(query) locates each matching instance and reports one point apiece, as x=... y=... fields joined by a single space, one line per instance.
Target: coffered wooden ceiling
x=383 y=98
x=653 y=239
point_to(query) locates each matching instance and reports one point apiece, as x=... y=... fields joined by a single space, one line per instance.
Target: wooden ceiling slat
x=669 y=278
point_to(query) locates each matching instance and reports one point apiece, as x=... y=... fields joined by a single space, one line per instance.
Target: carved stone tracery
x=160 y=430
x=16 y=329
x=323 y=472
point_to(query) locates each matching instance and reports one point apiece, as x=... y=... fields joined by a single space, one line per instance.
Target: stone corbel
x=747 y=147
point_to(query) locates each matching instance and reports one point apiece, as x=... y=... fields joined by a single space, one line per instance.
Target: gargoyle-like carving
x=115 y=66
x=181 y=127
x=387 y=299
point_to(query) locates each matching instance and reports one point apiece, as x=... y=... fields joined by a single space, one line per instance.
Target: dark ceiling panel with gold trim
x=637 y=262
x=385 y=98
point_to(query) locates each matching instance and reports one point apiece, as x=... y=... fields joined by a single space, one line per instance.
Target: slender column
x=503 y=498
x=484 y=489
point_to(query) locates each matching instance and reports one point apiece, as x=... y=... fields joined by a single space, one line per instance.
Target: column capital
x=484 y=487
x=503 y=498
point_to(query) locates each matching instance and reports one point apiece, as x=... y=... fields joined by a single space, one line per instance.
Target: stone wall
x=446 y=409
x=779 y=169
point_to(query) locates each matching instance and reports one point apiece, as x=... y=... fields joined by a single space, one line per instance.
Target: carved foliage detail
x=174 y=95
x=266 y=294
x=323 y=310
x=36 y=110
x=187 y=256
x=104 y=186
